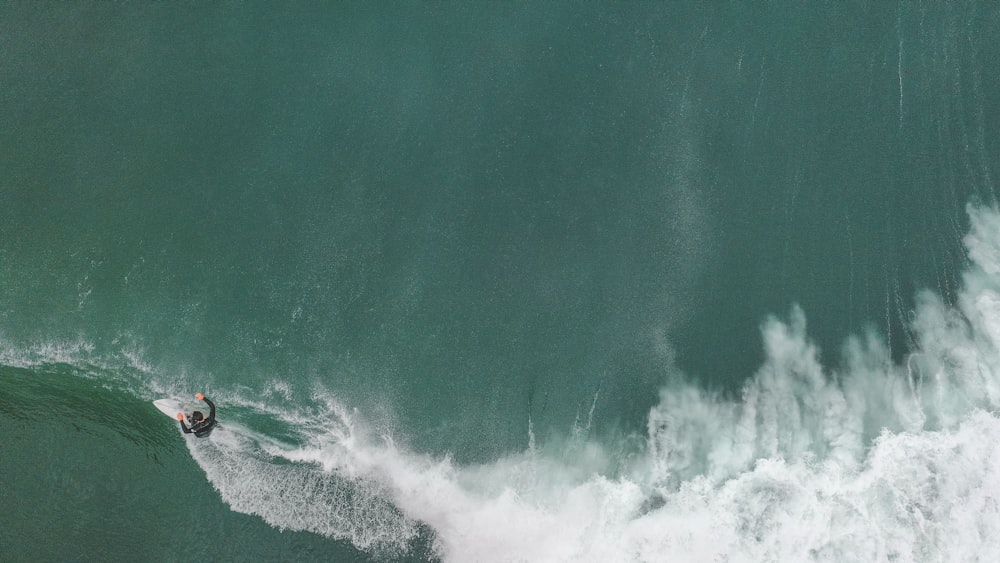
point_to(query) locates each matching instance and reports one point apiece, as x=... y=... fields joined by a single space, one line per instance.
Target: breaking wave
x=873 y=460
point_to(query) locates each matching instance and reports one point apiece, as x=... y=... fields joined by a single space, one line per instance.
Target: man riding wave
x=200 y=426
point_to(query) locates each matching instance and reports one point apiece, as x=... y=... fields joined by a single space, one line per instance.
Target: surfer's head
x=197 y=416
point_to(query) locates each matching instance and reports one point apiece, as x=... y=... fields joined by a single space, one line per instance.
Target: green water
x=480 y=229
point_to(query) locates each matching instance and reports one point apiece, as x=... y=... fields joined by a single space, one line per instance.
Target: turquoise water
x=500 y=282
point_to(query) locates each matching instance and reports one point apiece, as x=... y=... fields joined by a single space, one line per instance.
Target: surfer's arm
x=211 y=406
x=180 y=418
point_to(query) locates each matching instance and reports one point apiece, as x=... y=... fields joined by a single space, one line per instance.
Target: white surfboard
x=171 y=407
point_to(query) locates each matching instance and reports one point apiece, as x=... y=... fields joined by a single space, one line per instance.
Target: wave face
x=513 y=283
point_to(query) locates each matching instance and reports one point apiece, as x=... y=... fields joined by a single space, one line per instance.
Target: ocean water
x=501 y=281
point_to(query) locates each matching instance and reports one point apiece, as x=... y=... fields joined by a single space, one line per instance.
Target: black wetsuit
x=204 y=426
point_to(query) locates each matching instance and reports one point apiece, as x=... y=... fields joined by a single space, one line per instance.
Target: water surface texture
x=501 y=281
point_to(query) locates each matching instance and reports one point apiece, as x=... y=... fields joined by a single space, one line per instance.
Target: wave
x=870 y=461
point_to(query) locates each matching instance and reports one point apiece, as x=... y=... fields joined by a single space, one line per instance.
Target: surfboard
x=171 y=407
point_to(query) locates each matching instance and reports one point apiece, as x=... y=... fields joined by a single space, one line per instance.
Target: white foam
x=873 y=462
x=121 y=367
x=69 y=352
x=300 y=496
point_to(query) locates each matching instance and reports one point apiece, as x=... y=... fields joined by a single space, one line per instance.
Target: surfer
x=200 y=425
